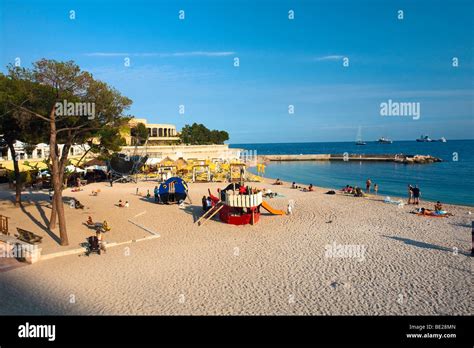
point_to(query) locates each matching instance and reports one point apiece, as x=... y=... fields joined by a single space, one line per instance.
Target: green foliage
x=65 y=81
x=15 y=124
x=25 y=177
x=198 y=134
x=139 y=134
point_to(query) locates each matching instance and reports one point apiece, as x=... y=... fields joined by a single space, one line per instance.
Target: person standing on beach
x=376 y=188
x=156 y=193
x=416 y=195
x=368 y=183
x=101 y=239
x=410 y=194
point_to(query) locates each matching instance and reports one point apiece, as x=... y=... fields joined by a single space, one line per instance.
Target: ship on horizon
x=424 y=139
x=427 y=139
x=384 y=140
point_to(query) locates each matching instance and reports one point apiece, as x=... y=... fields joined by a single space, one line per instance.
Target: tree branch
x=69 y=128
x=31 y=112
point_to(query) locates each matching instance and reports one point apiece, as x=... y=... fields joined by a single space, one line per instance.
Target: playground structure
x=238 y=205
x=173 y=190
x=237 y=172
x=123 y=167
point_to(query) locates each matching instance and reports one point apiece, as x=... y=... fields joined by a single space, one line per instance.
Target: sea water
x=450 y=181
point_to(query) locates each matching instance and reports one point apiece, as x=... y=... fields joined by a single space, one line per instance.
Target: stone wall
x=186 y=151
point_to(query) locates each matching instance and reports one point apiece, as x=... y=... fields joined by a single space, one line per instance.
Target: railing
x=243 y=201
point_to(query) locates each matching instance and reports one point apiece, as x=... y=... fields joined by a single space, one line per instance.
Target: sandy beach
x=406 y=265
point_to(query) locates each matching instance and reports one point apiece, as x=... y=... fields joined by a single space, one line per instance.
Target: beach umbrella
x=74 y=169
x=152 y=161
x=166 y=161
x=96 y=167
x=181 y=163
x=44 y=173
x=95 y=162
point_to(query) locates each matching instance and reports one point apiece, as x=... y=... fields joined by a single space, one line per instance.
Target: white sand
x=277 y=266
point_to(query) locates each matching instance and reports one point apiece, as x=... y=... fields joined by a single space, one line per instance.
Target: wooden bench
x=27 y=236
x=4 y=225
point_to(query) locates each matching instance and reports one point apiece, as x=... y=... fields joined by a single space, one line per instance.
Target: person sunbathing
x=438 y=206
x=89 y=221
x=358 y=192
x=428 y=212
x=309 y=189
x=78 y=205
x=278 y=182
x=270 y=194
x=121 y=204
x=105 y=226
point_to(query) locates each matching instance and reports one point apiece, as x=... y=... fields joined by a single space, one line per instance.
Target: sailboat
x=359 y=140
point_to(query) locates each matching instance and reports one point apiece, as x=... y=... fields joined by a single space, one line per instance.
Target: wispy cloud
x=331 y=57
x=163 y=54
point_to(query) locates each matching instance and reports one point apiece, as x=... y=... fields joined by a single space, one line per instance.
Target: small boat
x=424 y=139
x=384 y=140
x=442 y=140
x=359 y=140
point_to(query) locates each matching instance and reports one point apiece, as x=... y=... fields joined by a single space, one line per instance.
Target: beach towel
x=391 y=201
x=432 y=214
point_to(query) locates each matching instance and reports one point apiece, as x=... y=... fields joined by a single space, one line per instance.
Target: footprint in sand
x=337 y=285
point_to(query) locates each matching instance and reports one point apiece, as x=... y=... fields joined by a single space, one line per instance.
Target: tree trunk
x=56 y=180
x=54 y=213
x=62 y=164
x=16 y=168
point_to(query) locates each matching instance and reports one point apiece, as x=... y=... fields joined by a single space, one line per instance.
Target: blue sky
x=283 y=62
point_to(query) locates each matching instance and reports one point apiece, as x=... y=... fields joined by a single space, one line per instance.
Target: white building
x=40 y=151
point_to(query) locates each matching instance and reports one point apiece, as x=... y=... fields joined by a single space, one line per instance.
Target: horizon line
x=345 y=141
